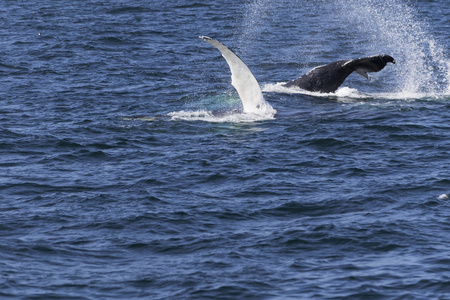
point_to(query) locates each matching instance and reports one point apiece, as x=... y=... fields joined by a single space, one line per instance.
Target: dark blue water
x=118 y=183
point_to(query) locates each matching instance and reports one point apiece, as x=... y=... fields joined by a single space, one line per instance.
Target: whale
x=323 y=79
x=243 y=81
x=328 y=78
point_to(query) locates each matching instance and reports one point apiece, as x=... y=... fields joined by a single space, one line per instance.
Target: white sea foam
x=224 y=117
x=346 y=93
x=340 y=93
x=443 y=197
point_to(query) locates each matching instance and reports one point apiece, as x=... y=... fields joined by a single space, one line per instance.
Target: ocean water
x=119 y=181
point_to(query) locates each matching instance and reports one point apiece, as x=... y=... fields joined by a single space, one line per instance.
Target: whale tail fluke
x=370 y=64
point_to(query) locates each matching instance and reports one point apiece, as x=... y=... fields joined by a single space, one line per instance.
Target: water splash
x=212 y=117
x=223 y=108
x=255 y=20
x=394 y=26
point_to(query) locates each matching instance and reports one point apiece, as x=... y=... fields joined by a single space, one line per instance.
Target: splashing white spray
x=256 y=17
x=394 y=26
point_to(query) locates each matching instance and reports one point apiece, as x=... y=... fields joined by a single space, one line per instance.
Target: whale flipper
x=243 y=81
x=362 y=73
x=328 y=78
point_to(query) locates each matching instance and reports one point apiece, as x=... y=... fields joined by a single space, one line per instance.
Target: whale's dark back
x=328 y=78
x=325 y=79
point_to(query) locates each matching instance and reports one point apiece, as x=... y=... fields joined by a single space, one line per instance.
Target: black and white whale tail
x=328 y=78
x=243 y=81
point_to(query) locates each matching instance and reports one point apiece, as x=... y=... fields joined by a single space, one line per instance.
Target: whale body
x=328 y=78
x=243 y=81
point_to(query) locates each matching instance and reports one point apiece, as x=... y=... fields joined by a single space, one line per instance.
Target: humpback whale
x=243 y=81
x=324 y=79
x=328 y=78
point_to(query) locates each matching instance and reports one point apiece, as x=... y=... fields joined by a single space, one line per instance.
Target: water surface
x=336 y=197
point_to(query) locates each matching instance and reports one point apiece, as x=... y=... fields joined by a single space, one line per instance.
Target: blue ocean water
x=118 y=182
